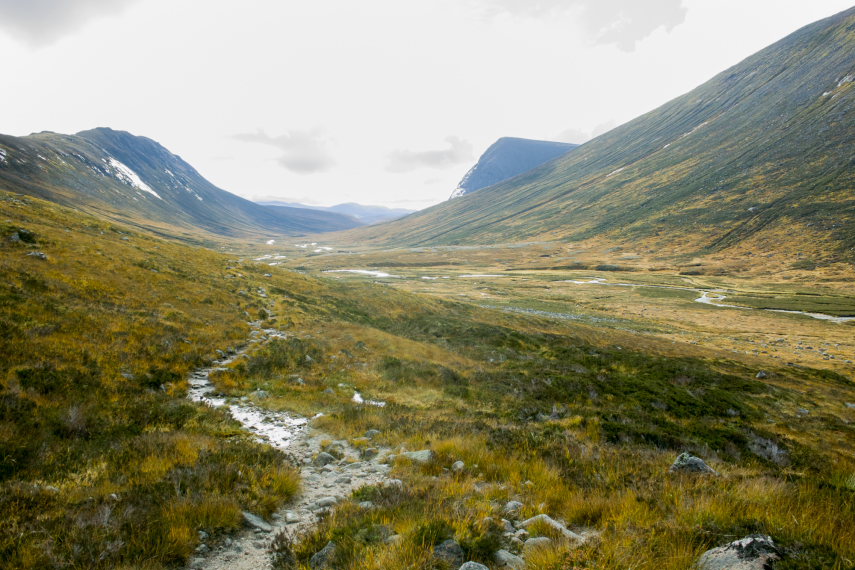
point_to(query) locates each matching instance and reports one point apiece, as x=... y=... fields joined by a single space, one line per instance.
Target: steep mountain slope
x=760 y=154
x=506 y=158
x=134 y=179
x=363 y=214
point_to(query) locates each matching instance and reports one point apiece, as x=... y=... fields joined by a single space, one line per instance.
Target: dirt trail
x=322 y=486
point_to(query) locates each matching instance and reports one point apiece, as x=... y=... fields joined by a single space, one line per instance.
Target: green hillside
x=763 y=151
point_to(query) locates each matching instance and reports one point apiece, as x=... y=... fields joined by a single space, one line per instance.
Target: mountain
x=506 y=158
x=363 y=214
x=759 y=158
x=136 y=180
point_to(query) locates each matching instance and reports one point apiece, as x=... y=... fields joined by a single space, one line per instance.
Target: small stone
x=324 y=502
x=370 y=453
x=354 y=465
x=506 y=524
x=202 y=549
x=372 y=433
x=344 y=480
x=394 y=539
x=203 y=535
x=762 y=375
x=257 y=522
x=505 y=559
x=512 y=509
x=850 y=405
x=536 y=542
x=472 y=566
x=259 y=544
x=458 y=466
x=38 y=255
x=323 y=458
x=291 y=517
x=366 y=505
x=422 y=456
x=323 y=558
x=755 y=552
x=546 y=519
x=449 y=551
x=688 y=463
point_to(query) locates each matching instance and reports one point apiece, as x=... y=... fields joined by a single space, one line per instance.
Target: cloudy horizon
x=387 y=102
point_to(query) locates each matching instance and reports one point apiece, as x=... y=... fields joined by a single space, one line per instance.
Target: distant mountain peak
x=506 y=158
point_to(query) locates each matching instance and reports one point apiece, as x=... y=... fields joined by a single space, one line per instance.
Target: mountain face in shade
x=760 y=157
x=506 y=158
x=136 y=180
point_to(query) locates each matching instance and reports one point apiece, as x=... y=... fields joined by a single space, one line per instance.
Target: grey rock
x=512 y=509
x=202 y=549
x=472 y=566
x=505 y=559
x=762 y=375
x=38 y=255
x=372 y=433
x=323 y=458
x=449 y=551
x=324 y=502
x=370 y=453
x=257 y=522
x=203 y=535
x=355 y=465
x=261 y=394
x=366 y=505
x=546 y=519
x=394 y=539
x=329 y=391
x=324 y=557
x=536 y=542
x=850 y=405
x=768 y=450
x=754 y=552
x=344 y=480
x=458 y=466
x=291 y=517
x=521 y=534
x=395 y=483
x=422 y=456
x=508 y=526
x=688 y=463
x=259 y=544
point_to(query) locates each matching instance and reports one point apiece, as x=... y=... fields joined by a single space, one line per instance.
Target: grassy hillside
x=135 y=180
x=760 y=154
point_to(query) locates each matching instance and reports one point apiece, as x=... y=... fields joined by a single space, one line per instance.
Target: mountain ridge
x=136 y=180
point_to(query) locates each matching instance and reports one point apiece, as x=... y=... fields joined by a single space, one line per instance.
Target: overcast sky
x=377 y=101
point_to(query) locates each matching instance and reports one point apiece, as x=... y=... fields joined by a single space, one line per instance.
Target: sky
x=385 y=102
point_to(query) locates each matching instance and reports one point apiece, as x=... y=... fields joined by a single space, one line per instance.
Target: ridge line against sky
x=384 y=101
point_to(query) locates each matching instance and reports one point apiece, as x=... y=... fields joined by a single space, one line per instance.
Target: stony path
x=322 y=486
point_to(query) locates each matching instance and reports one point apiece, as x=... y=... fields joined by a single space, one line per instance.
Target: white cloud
x=303 y=152
x=41 y=22
x=458 y=151
x=619 y=22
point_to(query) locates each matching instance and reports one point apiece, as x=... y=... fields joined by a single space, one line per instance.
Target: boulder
x=324 y=557
x=547 y=520
x=754 y=552
x=688 y=463
x=449 y=551
x=505 y=559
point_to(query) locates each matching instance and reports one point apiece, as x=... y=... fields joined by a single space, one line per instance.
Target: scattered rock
x=261 y=394
x=762 y=375
x=512 y=509
x=767 y=449
x=458 y=466
x=505 y=559
x=536 y=542
x=473 y=566
x=546 y=519
x=372 y=433
x=291 y=517
x=422 y=456
x=688 y=463
x=38 y=255
x=329 y=391
x=202 y=549
x=394 y=539
x=323 y=558
x=370 y=453
x=850 y=405
x=344 y=480
x=257 y=522
x=753 y=552
x=366 y=505
x=203 y=535
x=449 y=551
x=323 y=458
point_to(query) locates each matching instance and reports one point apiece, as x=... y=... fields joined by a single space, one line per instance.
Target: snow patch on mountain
x=130 y=177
